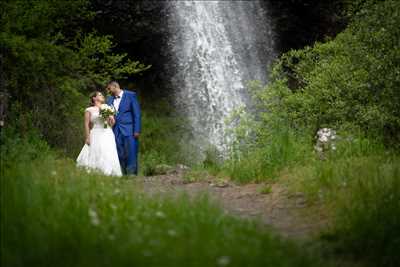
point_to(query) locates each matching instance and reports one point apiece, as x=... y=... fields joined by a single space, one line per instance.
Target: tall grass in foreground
x=367 y=221
x=53 y=214
x=360 y=185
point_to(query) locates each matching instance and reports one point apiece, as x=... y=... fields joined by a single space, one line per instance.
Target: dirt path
x=287 y=213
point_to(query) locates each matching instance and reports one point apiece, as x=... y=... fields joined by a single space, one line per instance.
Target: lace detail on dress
x=95 y=118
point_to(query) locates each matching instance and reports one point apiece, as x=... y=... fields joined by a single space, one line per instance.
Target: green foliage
x=265 y=151
x=159 y=141
x=50 y=62
x=350 y=82
x=53 y=214
x=266 y=189
x=265 y=162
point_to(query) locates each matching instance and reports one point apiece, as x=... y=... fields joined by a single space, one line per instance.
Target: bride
x=100 y=151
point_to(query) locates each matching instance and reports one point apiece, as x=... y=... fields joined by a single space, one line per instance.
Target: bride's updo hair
x=92 y=96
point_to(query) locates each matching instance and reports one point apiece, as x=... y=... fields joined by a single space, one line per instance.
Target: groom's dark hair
x=113 y=83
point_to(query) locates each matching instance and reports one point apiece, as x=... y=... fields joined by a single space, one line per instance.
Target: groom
x=127 y=126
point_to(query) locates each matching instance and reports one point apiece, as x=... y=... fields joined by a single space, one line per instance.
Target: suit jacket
x=128 y=119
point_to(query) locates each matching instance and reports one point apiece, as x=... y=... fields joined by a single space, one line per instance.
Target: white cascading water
x=217 y=47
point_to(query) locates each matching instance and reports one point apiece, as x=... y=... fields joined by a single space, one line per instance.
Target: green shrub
x=49 y=65
x=348 y=83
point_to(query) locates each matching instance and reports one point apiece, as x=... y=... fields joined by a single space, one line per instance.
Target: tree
x=50 y=61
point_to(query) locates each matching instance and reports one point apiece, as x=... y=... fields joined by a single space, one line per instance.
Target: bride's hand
x=111 y=120
x=87 y=141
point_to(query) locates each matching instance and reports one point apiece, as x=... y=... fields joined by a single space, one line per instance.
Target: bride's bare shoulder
x=90 y=109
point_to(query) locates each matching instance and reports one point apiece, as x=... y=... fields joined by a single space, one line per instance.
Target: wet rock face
x=302 y=22
x=130 y=21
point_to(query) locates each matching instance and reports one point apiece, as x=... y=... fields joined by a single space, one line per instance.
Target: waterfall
x=217 y=46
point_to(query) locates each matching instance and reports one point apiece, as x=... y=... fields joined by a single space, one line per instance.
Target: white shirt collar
x=120 y=94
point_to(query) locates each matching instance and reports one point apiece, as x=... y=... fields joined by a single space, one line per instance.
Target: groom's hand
x=136 y=135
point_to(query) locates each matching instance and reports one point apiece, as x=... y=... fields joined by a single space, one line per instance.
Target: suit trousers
x=128 y=149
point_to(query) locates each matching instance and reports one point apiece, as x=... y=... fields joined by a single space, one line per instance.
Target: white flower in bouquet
x=105 y=112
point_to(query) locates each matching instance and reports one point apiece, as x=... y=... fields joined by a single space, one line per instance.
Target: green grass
x=362 y=195
x=358 y=185
x=53 y=214
x=367 y=221
x=265 y=157
x=266 y=189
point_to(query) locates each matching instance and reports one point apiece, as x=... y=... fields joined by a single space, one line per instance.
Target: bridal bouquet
x=105 y=112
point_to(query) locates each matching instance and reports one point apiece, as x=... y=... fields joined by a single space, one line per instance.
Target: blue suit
x=127 y=122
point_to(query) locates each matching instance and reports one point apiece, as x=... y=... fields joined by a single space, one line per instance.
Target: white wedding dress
x=101 y=154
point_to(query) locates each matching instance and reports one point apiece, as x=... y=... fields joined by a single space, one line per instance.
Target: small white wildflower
x=146 y=253
x=323 y=138
x=320 y=194
x=223 y=261
x=93 y=217
x=160 y=214
x=92 y=213
x=171 y=232
x=95 y=221
x=318 y=148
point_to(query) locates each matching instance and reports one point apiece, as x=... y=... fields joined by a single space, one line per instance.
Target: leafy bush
x=50 y=62
x=348 y=83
